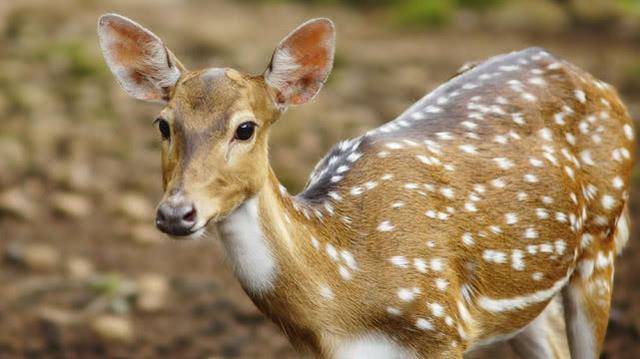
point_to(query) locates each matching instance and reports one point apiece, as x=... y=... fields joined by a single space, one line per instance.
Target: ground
x=84 y=273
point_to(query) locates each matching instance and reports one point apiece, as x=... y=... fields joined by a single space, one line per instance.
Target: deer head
x=215 y=122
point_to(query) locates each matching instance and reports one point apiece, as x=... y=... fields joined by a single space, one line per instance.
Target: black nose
x=176 y=219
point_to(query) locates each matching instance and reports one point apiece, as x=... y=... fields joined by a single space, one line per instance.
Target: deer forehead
x=210 y=98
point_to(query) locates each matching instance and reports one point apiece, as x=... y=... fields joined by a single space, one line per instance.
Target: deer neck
x=263 y=240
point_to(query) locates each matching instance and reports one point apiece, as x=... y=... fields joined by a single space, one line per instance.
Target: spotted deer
x=451 y=227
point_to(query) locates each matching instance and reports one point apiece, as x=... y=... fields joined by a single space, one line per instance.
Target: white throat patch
x=247 y=249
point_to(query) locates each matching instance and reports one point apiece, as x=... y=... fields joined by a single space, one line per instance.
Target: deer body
x=457 y=222
x=451 y=227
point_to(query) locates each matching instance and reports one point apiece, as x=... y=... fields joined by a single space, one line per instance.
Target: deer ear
x=301 y=63
x=141 y=63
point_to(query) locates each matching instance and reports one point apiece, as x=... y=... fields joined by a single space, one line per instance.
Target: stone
x=113 y=328
x=15 y=202
x=35 y=256
x=71 y=205
x=145 y=233
x=135 y=207
x=79 y=268
x=152 y=292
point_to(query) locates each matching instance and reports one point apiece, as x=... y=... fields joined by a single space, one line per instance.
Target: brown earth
x=84 y=274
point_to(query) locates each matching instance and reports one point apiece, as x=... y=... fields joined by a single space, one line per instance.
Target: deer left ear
x=301 y=63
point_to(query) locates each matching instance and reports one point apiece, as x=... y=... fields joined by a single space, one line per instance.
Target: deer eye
x=245 y=131
x=163 y=127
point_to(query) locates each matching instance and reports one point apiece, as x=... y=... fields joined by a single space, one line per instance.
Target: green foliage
x=424 y=12
x=630 y=6
x=79 y=63
x=479 y=4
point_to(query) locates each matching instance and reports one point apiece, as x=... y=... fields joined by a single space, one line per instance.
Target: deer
x=449 y=228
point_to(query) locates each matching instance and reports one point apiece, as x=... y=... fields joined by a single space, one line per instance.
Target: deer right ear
x=301 y=63
x=138 y=59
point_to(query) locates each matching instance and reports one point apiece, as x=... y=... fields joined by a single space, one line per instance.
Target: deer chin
x=198 y=231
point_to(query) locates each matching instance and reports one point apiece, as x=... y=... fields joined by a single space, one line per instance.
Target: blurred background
x=83 y=272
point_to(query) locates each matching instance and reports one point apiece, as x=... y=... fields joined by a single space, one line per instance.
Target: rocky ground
x=83 y=273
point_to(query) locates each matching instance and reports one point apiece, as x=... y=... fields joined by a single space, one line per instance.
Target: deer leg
x=544 y=337
x=587 y=299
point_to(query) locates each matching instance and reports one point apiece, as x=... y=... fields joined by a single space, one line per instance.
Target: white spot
x=420 y=265
x=449 y=321
x=444 y=135
x=508 y=68
x=437 y=264
x=503 y=163
x=442 y=284
x=332 y=252
x=511 y=218
x=399 y=261
x=398 y=204
x=326 y=292
x=344 y=272
x=468 y=124
x=561 y=246
x=470 y=149
x=354 y=156
x=546 y=248
x=522 y=196
x=542 y=213
x=518 y=118
x=422 y=324
x=447 y=192
x=530 y=233
x=494 y=256
x=585 y=157
x=436 y=309
x=500 y=139
x=603 y=261
x=467 y=239
x=546 y=134
x=342 y=169
x=408 y=294
x=538 y=81
x=561 y=217
x=608 y=202
x=470 y=206
x=628 y=131
x=571 y=139
x=498 y=183
x=580 y=95
x=516 y=260
x=348 y=259
x=385 y=226
x=530 y=178
x=394 y=311
x=536 y=162
x=618 y=182
x=315 y=243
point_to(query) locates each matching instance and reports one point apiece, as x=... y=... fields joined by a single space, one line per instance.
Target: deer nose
x=176 y=219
